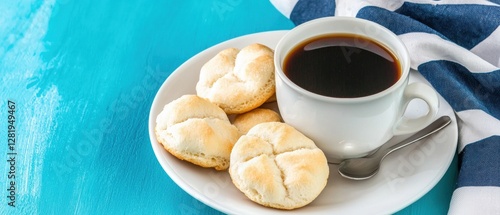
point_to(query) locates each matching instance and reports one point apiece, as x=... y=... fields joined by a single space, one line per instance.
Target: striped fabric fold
x=455 y=45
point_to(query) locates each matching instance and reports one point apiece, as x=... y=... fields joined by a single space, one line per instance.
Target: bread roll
x=244 y=122
x=193 y=129
x=238 y=81
x=277 y=166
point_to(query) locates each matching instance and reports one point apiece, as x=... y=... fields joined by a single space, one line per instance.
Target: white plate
x=404 y=177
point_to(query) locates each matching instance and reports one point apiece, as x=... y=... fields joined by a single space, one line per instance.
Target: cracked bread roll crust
x=277 y=166
x=194 y=129
x=238 y=80
x=244 y=122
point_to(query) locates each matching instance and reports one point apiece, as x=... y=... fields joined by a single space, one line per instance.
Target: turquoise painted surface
x=83 y=75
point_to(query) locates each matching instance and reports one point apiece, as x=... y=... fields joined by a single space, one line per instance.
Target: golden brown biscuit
x=277 y=166
x=238 y=81
x=194 y=129
x=244 y=122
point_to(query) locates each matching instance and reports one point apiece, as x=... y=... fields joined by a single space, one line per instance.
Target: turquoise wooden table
x=78 y=79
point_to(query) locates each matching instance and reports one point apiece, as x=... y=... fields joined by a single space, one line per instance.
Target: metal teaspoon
x=367 y=167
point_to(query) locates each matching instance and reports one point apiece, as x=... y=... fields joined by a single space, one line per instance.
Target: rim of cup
x=402 y=56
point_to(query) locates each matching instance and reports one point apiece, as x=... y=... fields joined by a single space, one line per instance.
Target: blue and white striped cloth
x=455 y=44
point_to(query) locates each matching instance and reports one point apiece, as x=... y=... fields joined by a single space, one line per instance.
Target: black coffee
x=342 y=65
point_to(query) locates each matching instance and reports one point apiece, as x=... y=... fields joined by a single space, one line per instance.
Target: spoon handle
x=432 y=128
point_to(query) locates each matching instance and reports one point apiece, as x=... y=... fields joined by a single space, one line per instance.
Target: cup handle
x=413 y=91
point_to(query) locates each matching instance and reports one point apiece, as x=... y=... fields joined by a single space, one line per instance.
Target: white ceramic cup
x=350 y=127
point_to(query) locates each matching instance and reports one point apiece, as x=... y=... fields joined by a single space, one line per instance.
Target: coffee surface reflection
x=342 y=66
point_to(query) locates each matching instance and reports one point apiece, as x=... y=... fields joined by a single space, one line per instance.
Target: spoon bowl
x=366 y=167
